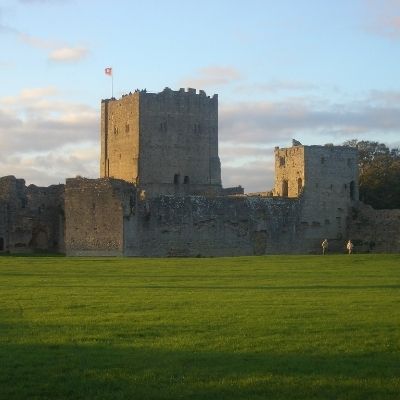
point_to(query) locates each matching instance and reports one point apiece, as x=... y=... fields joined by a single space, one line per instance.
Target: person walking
x=350 y=246
x=324 y=246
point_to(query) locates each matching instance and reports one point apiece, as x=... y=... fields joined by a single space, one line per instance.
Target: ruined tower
x=163 y=142
x=326 y=179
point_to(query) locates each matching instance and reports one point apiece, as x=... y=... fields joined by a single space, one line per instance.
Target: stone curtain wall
x=220 y=226
x=94 y=211
x=31 y=218
x=376 y=231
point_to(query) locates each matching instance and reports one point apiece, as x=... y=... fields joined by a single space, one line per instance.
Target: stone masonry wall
x=179 y=139
x=218 y=226
x=375 y=231
x=31 y=218
x=330 y=192
x=326 y=177
x=94 y=210
x=120 y=138
x=289 y=171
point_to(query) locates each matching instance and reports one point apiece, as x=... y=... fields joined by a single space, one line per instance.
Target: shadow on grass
x=38 y=371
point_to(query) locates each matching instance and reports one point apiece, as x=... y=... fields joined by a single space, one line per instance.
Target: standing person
x=350 y=246
x=324 y=246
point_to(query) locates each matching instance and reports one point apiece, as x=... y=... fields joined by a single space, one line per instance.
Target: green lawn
x=275 y=327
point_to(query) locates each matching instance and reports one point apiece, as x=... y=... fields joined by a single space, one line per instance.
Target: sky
x=318 y=71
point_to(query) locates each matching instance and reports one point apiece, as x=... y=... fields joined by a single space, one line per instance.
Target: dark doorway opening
x=285 y=188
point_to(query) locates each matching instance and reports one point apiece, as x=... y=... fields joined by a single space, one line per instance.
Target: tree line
x=379 y=169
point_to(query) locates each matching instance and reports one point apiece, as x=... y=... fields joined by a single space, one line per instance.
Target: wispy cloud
x=68 y=54
x=57 y=51
x=383 y=17
x=276 y=86
x=212 y=76
x=37 y=42
x=43 y=1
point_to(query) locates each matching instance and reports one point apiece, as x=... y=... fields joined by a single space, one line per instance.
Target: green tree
x=379 y=178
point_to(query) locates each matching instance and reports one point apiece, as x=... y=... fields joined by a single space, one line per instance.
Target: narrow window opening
x=299 y=185
x=176 y=179
x=163 y=126
x=281 y=161
x=126 y=128
x=322 y=160
x=186 y=180
x=1 y=244
x=352 y=189
x=285 y=188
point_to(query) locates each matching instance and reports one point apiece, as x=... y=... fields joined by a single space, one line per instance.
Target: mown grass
x=275 y=327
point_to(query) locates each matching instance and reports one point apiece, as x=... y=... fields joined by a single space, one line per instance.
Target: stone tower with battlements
x=165 y=143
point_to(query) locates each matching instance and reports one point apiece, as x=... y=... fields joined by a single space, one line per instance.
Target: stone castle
x=160 y=194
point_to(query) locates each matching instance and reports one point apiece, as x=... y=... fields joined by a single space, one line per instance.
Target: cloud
x=268 y=122
x=276 y=86
x=249 y=131
x=68 y=54
x=57 y=51
x=29 y=94
x=383 y=18
x=255 y=176
x=43 y=1
x=36 y=42
x=45 y=139
x=212 y=76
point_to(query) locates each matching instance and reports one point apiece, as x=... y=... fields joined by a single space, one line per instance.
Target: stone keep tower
x=164 y=142
x=326 y=178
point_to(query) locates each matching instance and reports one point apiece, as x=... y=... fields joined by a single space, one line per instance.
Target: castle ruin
x=160 y=193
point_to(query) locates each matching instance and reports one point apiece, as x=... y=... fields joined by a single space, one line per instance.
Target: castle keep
x=160 y=193
x=166 y=142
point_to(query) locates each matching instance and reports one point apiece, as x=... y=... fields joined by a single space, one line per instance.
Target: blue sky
x=318 y=71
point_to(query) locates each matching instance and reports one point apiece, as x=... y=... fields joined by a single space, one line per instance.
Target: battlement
x=181 y=93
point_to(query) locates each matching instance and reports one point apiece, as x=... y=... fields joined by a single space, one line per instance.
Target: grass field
x=287 y=327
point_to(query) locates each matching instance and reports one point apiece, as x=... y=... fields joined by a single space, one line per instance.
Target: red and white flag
x=108 y=71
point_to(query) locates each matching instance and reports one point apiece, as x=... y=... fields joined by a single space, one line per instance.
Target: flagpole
x=112 y=84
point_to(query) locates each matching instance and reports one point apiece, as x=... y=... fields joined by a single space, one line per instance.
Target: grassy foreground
x=287 y=327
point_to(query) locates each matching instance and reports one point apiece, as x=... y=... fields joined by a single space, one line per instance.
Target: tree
x=379 y=169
